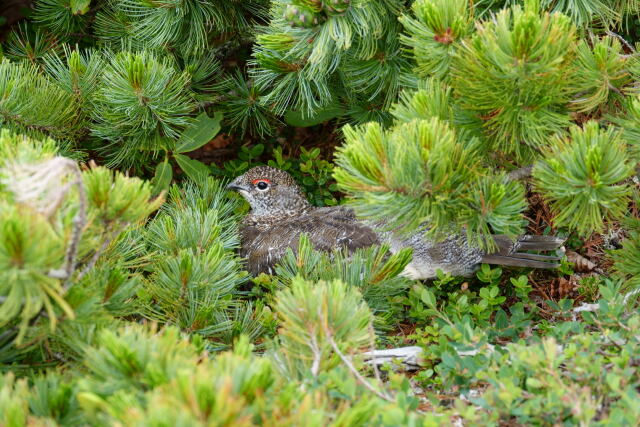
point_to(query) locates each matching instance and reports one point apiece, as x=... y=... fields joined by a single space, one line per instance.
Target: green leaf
x=493 y=292
x=428 y=298
x=162 y=178
x=299 y=119
x=502 y=322
x=199 y=133
x=534 y=383
x=80 y=7
x=257 y=150
x=195 y=169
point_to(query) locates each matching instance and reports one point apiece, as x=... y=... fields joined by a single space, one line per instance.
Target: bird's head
x=270 y=191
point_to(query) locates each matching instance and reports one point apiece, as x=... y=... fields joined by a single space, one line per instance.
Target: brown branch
x=352 y=368
x=79 y=221
x=624 y=42
x=96 y=255
x=317 y=355
x=372 y=344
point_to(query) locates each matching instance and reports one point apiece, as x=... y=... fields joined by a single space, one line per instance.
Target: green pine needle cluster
x=139 y=374
x=513 y=75
x=420 y=174
x=506 y=90
x=603 y=77
x=627 y=260
x=435 y=29
x=350 y=57
x=375 y=272
x=142 y=102
x=29 y=102
x=133 y=91
x=53 y=234
x=583 y=177
x=598 y=13
x=315 y=317
x=629 y=122
x=193 y=276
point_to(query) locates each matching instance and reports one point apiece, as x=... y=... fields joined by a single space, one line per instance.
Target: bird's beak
x=235 y=186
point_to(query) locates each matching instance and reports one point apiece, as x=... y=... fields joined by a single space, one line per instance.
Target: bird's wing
x=327 y=229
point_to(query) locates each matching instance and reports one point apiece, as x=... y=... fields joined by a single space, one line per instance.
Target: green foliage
x=583 y=178
x=13 y=402
x=433 y=99
x=118 y=200
x=199 y=133
x=111 y=313
x=448 y=304
x=583 y=12
x=162 y=103
x=53 y=234
x=175 y=228
x=435 y=32
x=514 y=74
x=29 y=102
x=630 y=124
x=193 y=276
x=603 y=74
x=29 y=248
x=307 y=60
x=527 y=376
x=626 y=260
x=243 y=111
x=421 y=172
x=15 y=148
x=315 y=319
x=77 y=73
x=62 y=16
x=30 y=44
x=135 y=359
x=374 y=271
x=127 y=90
x=312 y=172
x=514 y=78
x=139 y=374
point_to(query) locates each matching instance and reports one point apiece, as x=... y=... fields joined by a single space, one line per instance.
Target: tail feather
x=515 y=261
x=539 y=243
x=513 y=253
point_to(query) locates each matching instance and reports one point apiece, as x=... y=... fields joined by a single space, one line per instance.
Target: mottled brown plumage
x=264 y=243
x=280 y=213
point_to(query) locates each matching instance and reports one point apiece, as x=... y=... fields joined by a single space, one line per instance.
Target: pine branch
x=111 y=235
x=583 y=178
x=420 y=175
x=517 y=96
x=79 y=222
x=354 y=371
x=435 y=32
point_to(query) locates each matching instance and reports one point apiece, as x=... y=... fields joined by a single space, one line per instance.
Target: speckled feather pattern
x=452 y=255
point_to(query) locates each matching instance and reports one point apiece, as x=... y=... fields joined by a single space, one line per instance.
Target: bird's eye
x=261 y=184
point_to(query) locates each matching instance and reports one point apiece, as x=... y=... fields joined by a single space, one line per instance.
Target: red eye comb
x=255 y=181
